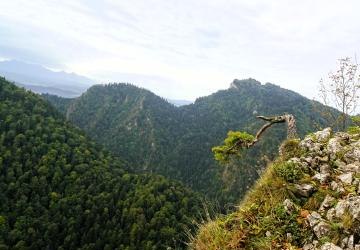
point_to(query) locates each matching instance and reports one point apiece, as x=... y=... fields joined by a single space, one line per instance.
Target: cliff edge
x=309 y=198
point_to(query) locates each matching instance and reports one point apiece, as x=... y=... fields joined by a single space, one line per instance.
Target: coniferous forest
x=179 y=125
x=155 y=136
x=59 y=190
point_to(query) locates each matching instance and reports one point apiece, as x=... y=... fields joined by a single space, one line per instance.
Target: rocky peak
x=238 y=84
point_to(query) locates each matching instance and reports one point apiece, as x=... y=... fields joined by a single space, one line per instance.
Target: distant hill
x=156 y=136
x=59 y=190
x=42 y=80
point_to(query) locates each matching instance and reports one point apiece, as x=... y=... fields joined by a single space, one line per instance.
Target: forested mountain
x=176 y=141
x=59 y=190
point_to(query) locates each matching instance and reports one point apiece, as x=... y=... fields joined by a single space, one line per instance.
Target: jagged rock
x=326 y=203
x=346 y=178
x=311 y=246
x=348 y=242
x=323 y=159
x=324 y=135
x=308 y=144
x=289 y=206
x=338 y=187
x=321 y=229
x=357 y=247
x=331 y=214
x=330 y=246
x=352 y=156
x=308 y=160
x=304 y=190
x=353 y=168
x=322 y=178
x=325 y=169
x=350 y=204
x=308 y=246
x=344 y=137
x=334 y=147
x=314 y=218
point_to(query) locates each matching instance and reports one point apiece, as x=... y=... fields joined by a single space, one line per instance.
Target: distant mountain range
x=155 y=136
x=42 y=80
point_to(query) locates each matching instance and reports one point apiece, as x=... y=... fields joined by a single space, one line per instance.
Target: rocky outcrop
x=332 y=162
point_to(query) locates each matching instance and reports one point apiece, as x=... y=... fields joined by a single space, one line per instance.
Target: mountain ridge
x=176 y=141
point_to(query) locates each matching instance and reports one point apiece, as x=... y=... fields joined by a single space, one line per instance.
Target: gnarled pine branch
x=239 y=140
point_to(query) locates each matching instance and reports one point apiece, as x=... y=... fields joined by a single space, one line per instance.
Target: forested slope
x=58 y=190
x=176 y=141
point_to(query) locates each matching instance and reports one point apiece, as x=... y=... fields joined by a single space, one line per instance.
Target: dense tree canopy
x=156 y=136
x=58 y=190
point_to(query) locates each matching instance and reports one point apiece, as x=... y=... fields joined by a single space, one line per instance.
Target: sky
x=183 y=49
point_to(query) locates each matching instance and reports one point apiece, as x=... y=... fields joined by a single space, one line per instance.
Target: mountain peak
x=236 y=84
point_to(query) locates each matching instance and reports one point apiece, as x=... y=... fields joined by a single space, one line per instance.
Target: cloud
x=192 y=47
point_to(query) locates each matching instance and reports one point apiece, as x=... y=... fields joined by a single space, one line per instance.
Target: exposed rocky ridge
x=334 y=164
x=308 y=199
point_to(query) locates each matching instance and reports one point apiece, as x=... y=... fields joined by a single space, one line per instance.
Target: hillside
x=59 y=190
x=309 y=198
x=176 y=141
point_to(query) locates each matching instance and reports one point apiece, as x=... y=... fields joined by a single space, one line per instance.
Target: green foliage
x=59 y=190
x=355 y=128
x=289 y=149
x=233 y=145
x=289 y=171
x=261 y=222
x=155 y=136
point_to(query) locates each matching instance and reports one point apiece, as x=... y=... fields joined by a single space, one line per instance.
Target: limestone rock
x=330 y=246
x=289 y=206
x=326 y=203
x=304 y=190
x=353 y=155
x=331 y=214
x=338 y=187
x=346 y=178
x=314 y=218
x=324 y=135
x=353 y=168
x=321 y=229
x=309 y=145
x=325 y=169
x=350 y=204
x=322 y=178
x=334 y=147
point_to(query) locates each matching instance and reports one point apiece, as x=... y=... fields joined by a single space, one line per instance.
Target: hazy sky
x=185 y=48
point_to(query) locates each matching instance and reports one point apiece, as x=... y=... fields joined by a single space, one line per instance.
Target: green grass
x=260 y=212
